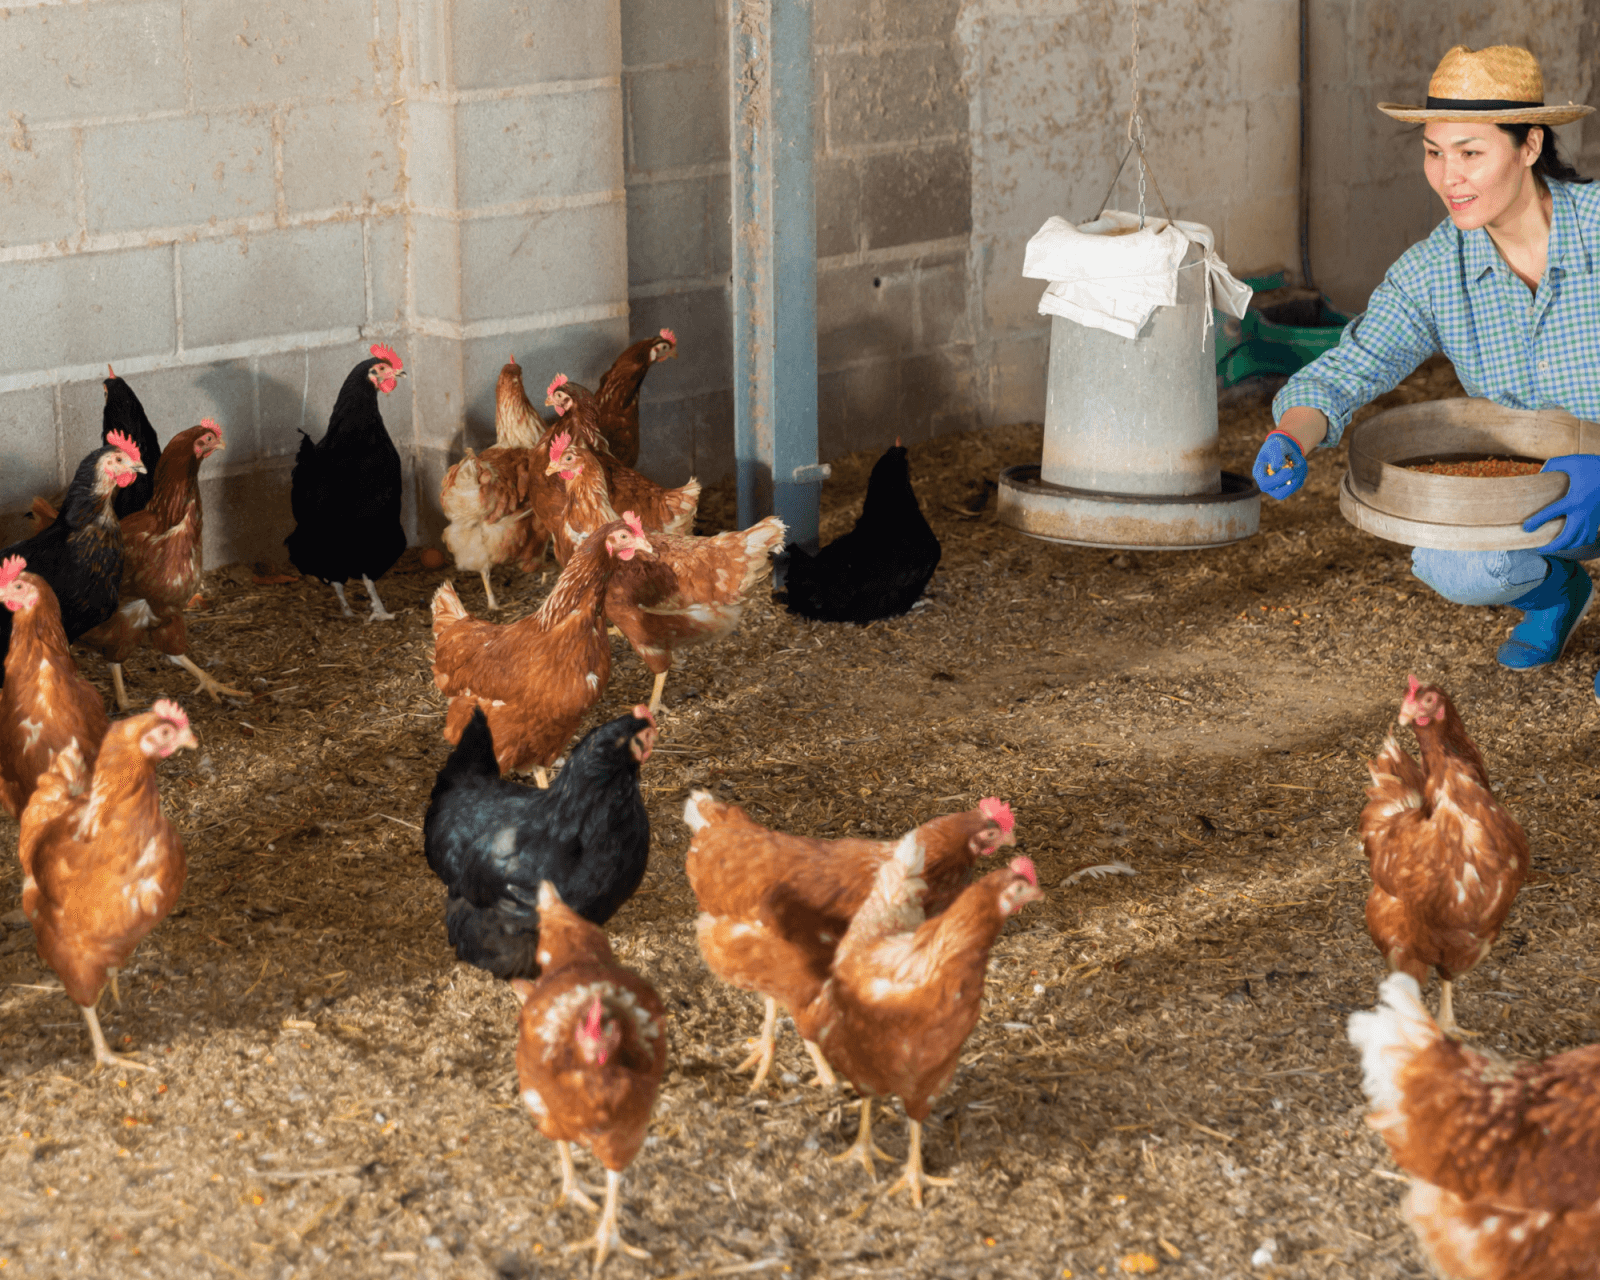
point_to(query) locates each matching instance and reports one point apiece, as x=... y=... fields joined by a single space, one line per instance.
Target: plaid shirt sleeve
x=1377 y=350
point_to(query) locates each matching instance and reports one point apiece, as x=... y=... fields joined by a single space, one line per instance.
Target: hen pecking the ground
x=101 y=865
x=877 y=570
x=493 y=841
x=591 y=1051
x=345 y=489
x=162 y=566
x=46 y=706
x=1504 y=1158
x=1447 y=858
x=773 y=906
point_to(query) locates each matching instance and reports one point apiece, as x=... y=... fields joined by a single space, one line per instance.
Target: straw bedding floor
x=1161 y=1068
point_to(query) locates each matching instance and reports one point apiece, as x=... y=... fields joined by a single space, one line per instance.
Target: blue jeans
x=1487 y=577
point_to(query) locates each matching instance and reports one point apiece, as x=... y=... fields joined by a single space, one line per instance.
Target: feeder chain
x=1135 y=120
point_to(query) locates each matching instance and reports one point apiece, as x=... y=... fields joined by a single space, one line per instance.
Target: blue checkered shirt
x=1454 y=293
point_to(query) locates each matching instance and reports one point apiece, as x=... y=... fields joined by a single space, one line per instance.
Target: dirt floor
x=1161 y=1068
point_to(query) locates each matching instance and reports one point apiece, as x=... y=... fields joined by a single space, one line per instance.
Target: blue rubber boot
x=1550 y=614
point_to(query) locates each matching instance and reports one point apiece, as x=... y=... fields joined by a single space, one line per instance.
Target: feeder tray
x=1380 y=495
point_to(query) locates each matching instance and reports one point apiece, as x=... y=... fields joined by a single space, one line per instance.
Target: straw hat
x=1498 y=85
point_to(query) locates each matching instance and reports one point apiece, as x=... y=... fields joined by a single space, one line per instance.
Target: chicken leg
x=488 y=590
x=102 y=1051
x=207 y=684
x=606 y=1236
x=571 y=1188
x=655 y=694
x=1447 y=1014
x=761 y=1057
x=338 y=590
x=118 y=688
x=379 y=613
x=913 y=1178
x=825 y=1076
x=863 y=1150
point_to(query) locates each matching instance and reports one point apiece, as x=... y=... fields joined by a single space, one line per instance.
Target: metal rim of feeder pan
x=1380 y=495
x=1131 y=454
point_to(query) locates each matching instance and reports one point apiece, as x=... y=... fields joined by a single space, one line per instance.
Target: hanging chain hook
x=1135 y=120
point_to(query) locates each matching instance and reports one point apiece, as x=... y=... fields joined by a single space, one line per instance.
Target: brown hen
x=617 y=396
x=1447 y=859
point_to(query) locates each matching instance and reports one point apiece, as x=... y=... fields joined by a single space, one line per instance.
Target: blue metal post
x=774 y=264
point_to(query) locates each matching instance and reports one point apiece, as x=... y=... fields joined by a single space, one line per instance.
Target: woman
x=1508 y=287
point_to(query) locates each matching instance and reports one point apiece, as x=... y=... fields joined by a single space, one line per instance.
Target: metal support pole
x=774 y=264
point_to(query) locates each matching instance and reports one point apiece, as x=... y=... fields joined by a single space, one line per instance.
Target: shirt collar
x=1566 y=249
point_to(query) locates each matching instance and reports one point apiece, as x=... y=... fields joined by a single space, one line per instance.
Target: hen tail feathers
x=1389 y=1037
x=447 y=609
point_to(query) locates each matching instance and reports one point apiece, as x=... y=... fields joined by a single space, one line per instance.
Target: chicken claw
x=913 y=1178
x=102 y=1051
x=207 y=684
x=864 y=1149
x=1447 y=1015
x=761 y=1057
x=379 y=613
x=825 y=1077
x=606 y=1236
x=571 y=1188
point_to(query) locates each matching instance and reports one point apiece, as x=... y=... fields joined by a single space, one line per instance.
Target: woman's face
x=1478 y=170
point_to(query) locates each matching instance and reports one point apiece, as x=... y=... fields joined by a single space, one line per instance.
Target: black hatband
x=1478 y=104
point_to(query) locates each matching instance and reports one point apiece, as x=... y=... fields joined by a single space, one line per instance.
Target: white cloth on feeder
x=1108 y=274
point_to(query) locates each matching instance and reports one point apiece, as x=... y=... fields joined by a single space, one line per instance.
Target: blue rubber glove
x=1280 y=467
x=1580 y=504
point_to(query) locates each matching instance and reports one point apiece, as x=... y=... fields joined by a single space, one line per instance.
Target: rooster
x=80 y=553
x=45 y=705
x=906 y=992
x=1502 y=1157
x=773 y=906
x=162 y=566
x=877 y=570
x=591 y=1051
x=617 y=396
x=345 y=489
x=492 y=841
x=488 y=497
x=1447 y=859
x=101 y=865
x=534 y=678
x=693 y=590
x=661 y=510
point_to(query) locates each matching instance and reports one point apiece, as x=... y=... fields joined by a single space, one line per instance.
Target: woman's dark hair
x=1549 y=164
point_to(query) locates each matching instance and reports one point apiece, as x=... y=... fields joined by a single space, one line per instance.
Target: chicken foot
x=1447 y=1014
x=761 y=1057
x=655 y=693
x=606 y=1236
x=488 y=590
x=379 y=613
x=825 y=1077
x=102 y=1051
x=338 y=590
x=863 y=1149
x=571 y=1188
x=913 y=1178
x=207 y=684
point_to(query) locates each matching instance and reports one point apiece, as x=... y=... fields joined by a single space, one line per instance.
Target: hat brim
x=1517 y=115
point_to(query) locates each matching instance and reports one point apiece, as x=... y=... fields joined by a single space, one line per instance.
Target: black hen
x=492 y=841
x=345 y=488
x=80 y=552
x=879 y=568
x=124 y=413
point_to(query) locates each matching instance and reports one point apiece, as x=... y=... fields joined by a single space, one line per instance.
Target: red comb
x=560 y=445
x=997 y=811
x=169 y=710
x=560 y=380
x=670 y=336
x=388 y=356
x=1412 y=691
x=10 y=567
x=210 y=424
x=512 y=360
x=110 y=372
x=1024 y=868
x=119 y=440
x=634 y=524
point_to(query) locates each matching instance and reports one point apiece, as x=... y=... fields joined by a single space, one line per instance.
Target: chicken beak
x=139 y=468
x=187 y=739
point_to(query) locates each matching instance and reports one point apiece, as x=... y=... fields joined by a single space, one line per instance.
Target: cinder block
x=437 y=392
x=300 y=280
x=676 y=116
x=497 y=46
x=28 y=462
x=1018 y=370
x=1010 y=301
x=863 y=312
x=428 y=477
x=266 y=52
x=692 y=32
x=431 y=155
x=527 y=265
x=703 y=324
x=666 y=436
x=1261 y=233
x=719 y=224
x=342 y=153
x=942 y=316
x=86 y=308
x=713 y=437
x=435 y=265
x=166 y=173
x=175 y=400
x=1272 y=149
x=669 y=224
x=901 y=95
x=919 y=19
x=937 y=394
x=386 y=264
x=563 y=144
x=916 y=195
x=1264 y=48
x=841 y=22
x=38 y=192
x=838 y=206
x=858 y=408
x=62 y=62
x=247 y=513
